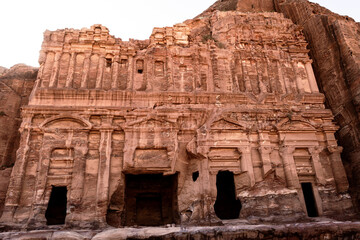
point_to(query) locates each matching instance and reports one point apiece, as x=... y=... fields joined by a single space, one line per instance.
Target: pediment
x=152 y=123
x=65 y=122
x=226 y=124
x=297 y=126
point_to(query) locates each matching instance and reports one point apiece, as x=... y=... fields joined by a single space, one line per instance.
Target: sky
x=22 y=22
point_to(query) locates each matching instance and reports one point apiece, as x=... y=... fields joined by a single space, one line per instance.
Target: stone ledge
x=233 y=229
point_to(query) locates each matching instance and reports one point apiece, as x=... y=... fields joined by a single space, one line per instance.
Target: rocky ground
x=320 y=228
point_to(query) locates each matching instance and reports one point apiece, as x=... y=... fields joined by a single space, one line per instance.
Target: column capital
x=244 y=149
x=265 y=149
x=335 y=149
x=87 y=54
x=315 y=150
x=286 y=150
x=58 y=56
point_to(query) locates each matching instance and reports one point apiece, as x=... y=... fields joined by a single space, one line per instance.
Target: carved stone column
x=246 y=163
x=105 y=149
x=281 y=78
x=299 y=83
x=100 y=73
x=319 y=171
x=55 y=70
x=86 y=69
x=70 y=76
x=115 y=73
x=291 y=176
x=265 y=156
x=39 y=202
x=311 y=76
x=337 y=168
x=247 y=83
x=77 y=181
x=131 y=72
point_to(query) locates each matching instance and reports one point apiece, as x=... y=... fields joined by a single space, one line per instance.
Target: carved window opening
x=123 y=63
x=159 y=68
x=56 y=211
x=226 y=205
x=309 y=199
x=152 y=204
x=108 y=62
x=140 y=66
x=97 y=30
x=195 y=176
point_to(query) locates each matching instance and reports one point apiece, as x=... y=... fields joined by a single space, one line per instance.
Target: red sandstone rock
x=153 y=132
x=334 y=47
x=16 y=84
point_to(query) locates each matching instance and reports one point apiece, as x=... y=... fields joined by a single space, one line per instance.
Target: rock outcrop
x=16 y=84
x=335 y=51
x=334 y=47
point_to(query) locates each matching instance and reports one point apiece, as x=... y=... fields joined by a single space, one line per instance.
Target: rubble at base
x=320 y=229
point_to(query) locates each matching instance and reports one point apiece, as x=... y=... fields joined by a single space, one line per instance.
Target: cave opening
x=151 y=200
x=56 y=211
x=226 y=205
x=309 y=199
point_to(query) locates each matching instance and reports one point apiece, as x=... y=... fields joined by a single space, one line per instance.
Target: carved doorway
x=56 y=211
x=226 y=205
x=309 y=197
x=151 y=200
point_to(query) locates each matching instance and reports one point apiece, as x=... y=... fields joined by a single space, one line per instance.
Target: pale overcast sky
x=23 y=22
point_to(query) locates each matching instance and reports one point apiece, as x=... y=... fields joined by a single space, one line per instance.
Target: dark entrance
x=226 y=205
x=56 y=211
x=309 y=199
x=151 y=200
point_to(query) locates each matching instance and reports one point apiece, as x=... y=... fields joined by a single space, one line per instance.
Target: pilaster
x=292 y=179
x=319 y=171
x=55 y=70
x=86 y=69
x=265 y=157
x=246 y=163
x=311 y=76
x=70 y=76
x=337 y=168
x=100 y=73
x=103 y=181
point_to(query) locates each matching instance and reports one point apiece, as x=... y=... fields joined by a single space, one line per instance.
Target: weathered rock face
x=15 y=88
x=218 y=117
x=334 y=47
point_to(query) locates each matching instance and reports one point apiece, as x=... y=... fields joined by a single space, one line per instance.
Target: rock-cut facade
x=219 y=117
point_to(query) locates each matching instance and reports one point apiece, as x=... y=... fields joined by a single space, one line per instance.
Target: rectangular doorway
x=151 y=199
x=56 y=211
x=309 y=197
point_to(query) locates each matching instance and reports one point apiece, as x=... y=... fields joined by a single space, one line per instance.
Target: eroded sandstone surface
x=16 y=84
x=219 y=117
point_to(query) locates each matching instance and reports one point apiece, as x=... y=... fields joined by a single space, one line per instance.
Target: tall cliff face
x=335 y=51
x=16 y=84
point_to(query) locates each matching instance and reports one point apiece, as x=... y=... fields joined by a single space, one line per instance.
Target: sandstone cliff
x=334 y=47
x=16 y=84
x=335 y=51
